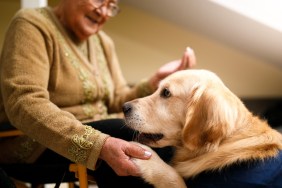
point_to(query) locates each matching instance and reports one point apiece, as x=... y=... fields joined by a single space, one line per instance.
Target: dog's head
x=191 y=108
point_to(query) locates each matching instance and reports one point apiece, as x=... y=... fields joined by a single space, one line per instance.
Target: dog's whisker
x=134 y=136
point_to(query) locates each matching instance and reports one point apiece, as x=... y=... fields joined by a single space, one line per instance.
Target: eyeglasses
x=112 y=7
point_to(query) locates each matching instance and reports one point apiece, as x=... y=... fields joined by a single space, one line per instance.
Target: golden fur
x=209 y=126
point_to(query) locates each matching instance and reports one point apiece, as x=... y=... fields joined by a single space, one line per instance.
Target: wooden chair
x=79 y=170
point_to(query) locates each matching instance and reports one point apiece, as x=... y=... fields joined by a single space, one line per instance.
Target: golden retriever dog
x=212 y=131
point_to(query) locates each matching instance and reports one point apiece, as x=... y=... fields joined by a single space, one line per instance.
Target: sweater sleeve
x=122 y=91
x=25 y=68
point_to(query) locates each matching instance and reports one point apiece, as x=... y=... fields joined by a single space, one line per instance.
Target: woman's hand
x=118 y=153
x=188 y=61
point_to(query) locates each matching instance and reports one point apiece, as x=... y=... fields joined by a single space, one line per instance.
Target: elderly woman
x=61 y=84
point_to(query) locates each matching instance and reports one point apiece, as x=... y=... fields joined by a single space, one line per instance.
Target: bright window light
x=268 y=12
x=33 y=3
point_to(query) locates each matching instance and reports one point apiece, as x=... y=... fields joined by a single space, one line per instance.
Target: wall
x=7 y=10
x=145 y=42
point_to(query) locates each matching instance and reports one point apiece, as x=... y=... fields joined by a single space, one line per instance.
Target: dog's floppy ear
x=210 y=118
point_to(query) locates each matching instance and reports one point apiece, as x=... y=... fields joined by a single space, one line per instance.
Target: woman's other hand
x=188 y=61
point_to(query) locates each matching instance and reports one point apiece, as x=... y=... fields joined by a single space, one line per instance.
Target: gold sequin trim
x=98 y=111
x=81 y=145
x=106 y=83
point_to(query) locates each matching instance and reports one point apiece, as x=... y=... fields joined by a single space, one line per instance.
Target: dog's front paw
x=148 y=168
x=156 y=172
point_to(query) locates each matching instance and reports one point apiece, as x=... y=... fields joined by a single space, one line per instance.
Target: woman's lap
x=104 y=175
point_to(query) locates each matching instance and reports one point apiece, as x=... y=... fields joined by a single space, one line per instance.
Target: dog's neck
x=243 y=145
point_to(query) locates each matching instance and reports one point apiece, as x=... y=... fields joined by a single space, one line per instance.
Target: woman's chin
x=86 y=33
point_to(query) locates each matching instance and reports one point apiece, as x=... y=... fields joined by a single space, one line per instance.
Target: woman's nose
x=104 y=11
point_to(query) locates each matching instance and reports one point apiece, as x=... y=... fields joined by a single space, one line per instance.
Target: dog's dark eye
x=165 y=93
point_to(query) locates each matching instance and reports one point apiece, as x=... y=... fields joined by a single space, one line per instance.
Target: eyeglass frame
x=112 y=10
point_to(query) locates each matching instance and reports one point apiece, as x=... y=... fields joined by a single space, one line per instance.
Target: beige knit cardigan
x=49 y=88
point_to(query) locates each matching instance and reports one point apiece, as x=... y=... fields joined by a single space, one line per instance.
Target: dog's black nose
x=126 y=108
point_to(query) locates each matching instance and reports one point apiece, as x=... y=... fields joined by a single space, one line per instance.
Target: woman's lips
x=92 y=20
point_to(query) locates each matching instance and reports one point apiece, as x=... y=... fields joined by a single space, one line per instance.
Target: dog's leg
x=156 y=172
